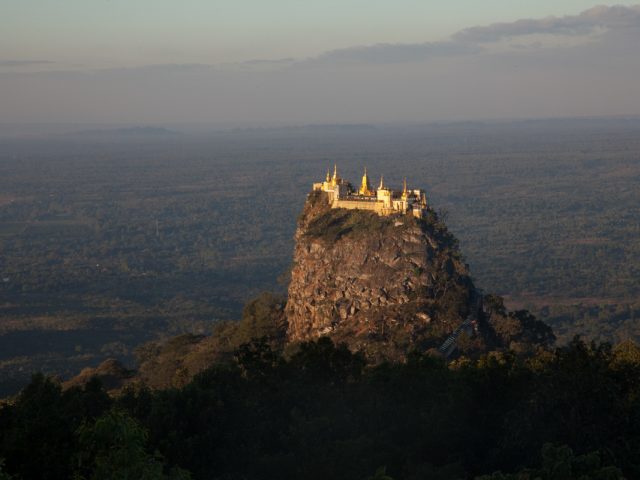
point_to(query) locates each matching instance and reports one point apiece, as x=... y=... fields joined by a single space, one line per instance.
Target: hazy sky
x=294 y=61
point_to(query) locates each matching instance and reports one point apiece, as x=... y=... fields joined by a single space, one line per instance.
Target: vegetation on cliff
x=175 y=362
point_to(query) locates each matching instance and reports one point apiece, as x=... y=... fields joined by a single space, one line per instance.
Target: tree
x=36 y=435
x=381 y=474
x=114 y=448
x=4 y=475
x=262 y=317
x=559 y=463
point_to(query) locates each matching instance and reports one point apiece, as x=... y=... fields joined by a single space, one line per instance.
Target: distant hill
x=128 y=132
x=339 y=128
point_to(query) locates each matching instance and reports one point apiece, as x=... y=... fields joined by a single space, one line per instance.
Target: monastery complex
x=383 y=200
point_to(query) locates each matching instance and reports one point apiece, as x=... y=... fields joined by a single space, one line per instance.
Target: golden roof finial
x=328 y=175
x=381 y=187
x=404 y=188
x=365 y=188
x=335 y=179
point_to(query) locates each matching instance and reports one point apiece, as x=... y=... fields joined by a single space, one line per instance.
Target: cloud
x=474 y=40
x=395 y=53
x=23 y=63
x=159 y=68
x=615 y=25
x=587 y=22
x=278 y=61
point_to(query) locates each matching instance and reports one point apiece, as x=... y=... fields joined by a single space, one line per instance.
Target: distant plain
x=110 y=240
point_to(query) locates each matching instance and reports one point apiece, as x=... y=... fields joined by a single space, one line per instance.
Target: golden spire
x=334 y=180
x=365 y=188
x=328 y=176
x=404 y=189
x=381 y=187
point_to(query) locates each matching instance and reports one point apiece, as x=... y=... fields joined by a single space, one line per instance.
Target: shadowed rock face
x=379 y=284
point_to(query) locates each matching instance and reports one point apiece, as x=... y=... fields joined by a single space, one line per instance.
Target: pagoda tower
x=365 y=186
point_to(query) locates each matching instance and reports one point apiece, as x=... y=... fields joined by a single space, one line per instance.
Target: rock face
x=380 y=284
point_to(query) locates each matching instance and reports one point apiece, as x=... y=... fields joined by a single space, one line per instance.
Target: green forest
x=322 y=411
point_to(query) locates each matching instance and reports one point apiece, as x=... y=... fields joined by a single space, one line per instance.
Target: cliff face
x=382 y=285
x=379 y=284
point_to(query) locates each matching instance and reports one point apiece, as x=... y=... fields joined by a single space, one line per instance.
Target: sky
x=296 y=61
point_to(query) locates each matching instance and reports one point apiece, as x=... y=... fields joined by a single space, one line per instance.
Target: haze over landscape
x=231 y=63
